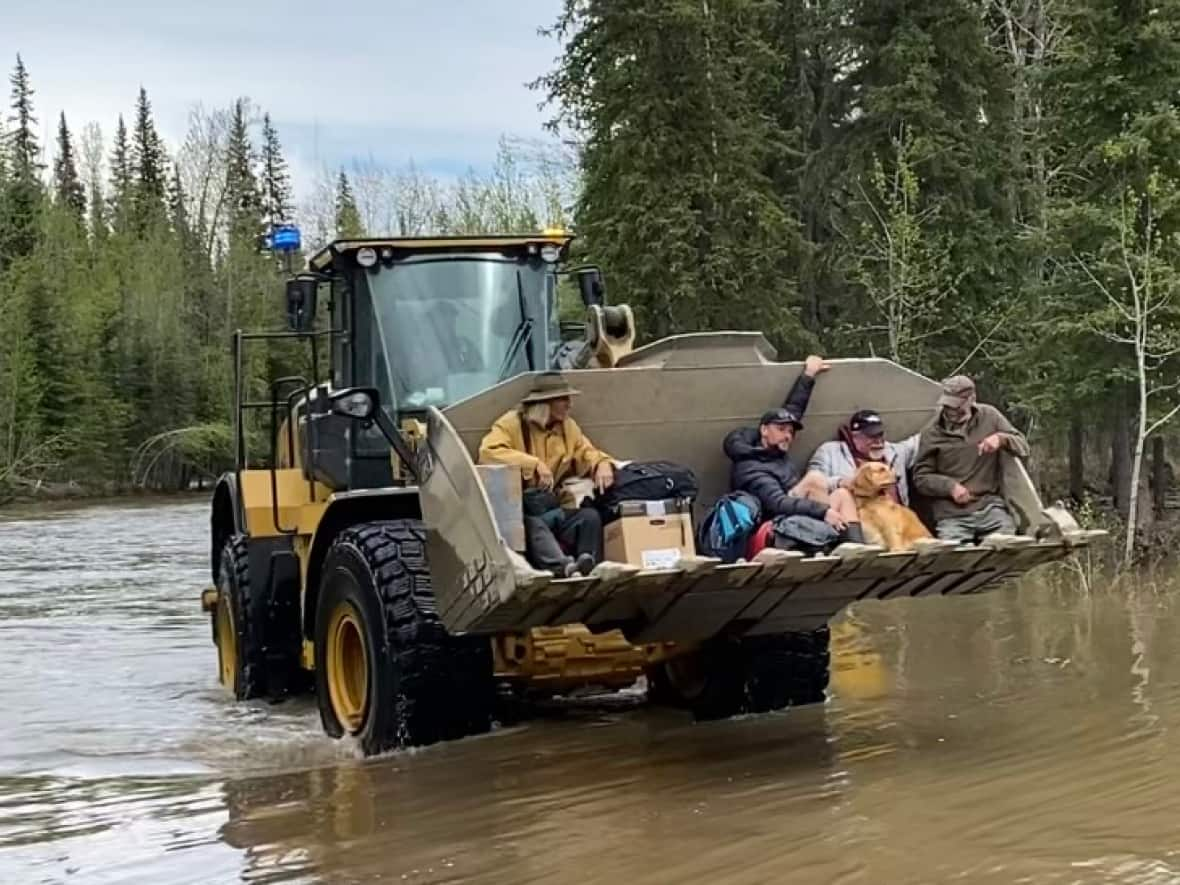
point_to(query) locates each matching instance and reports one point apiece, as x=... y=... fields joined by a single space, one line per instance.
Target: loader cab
x=429 y=322
x=432 y=321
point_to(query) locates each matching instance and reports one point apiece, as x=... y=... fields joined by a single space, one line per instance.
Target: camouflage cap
x=955 y=389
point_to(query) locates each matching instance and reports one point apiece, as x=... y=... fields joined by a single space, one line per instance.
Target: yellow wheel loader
x=363 y=553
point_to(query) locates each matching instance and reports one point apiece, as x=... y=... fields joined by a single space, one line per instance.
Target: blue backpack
x=726 y=528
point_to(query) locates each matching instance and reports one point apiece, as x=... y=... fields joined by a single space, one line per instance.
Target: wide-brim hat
x=548 y=386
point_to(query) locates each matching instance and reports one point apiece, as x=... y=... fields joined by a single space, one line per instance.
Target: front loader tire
x=239 y=620
x=757 y=674
x=387 y=671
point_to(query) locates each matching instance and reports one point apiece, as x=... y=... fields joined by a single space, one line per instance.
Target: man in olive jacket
x=958 y=464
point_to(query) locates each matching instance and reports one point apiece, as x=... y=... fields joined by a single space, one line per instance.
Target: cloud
x=436 y=83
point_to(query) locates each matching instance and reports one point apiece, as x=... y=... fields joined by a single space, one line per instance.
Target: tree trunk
x=1077 y=462
x=1137 y=458
x=1144 y=506
x=1159 y=474
x=1120 y=457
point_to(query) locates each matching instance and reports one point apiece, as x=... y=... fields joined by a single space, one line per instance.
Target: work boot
x=852 y=532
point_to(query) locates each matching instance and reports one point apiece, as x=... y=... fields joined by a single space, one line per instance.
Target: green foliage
x=678 y=199
x=120 y=205
x=961 y=186
x=242 y=197
x=900 y=260
x=348 y=216
x=277 y=199
x=118 y=312
x=148 y=167
x=24 y=192
x=67 y=187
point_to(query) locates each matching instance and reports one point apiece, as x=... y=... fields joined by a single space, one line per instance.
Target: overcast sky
x=436 y=82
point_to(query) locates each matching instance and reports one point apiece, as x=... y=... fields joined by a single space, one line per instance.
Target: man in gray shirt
x=863 y=439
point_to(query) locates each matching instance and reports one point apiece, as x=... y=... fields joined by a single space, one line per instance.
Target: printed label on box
x=661 y=557
x=656 y=508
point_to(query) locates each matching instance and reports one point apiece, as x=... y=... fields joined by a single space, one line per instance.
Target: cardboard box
x=650 y=534
x=504 y=488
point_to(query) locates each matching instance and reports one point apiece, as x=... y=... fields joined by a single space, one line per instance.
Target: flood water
x=1024 y=735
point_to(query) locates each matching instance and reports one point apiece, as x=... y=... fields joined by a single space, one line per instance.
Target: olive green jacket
x=947 y=456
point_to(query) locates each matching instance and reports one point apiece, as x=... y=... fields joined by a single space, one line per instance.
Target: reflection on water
x=1018 y=736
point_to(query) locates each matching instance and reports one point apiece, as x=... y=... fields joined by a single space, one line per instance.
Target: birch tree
x=1138 y=276
x=900 y=258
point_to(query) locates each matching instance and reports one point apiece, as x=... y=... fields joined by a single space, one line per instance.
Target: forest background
x=979 y=186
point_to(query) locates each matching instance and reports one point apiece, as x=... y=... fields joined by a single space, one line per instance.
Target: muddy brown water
x=1019 y=736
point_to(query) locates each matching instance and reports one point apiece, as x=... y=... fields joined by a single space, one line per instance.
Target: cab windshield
x=452 y=327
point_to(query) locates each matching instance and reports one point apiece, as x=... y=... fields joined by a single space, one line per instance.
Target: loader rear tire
x=239 y=620
x=387 y=671
x=788 y=670
x=709 y=681
x=726 y=677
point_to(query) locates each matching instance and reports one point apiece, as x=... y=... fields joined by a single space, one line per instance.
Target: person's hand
x=813 y=365
x=604 y=476
x=960 y=494
x=835 y=520
x=544 y=476
x=992 y=443
x=845 y=483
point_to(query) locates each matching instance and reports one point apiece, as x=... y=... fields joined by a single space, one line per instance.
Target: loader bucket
x=675 y=400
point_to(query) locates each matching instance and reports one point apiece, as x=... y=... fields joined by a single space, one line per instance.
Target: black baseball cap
x=868 y=422
x=782 y=416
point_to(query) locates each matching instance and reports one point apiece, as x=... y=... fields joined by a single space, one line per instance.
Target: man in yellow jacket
x=547 y=445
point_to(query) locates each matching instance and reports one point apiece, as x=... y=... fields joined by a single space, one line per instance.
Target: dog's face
x=872 y=479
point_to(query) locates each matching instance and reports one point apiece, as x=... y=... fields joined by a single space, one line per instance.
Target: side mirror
x=591 y=286
x=355 y=402
x=301 y=296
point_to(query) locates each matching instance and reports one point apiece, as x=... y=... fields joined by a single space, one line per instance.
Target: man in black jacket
x=762 y=468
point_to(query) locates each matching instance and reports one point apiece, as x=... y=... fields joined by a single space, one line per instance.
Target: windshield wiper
x=522 y=336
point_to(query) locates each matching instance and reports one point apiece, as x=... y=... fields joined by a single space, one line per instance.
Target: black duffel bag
x=804 y=533
x=648 y=481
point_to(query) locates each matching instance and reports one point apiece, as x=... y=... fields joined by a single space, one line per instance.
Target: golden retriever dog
x=883 y=520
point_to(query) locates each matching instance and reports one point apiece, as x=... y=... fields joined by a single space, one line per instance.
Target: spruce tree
x=812 y=104
x=241 y=185
x=348 y=216
x=1116 y=214
x=24 y=152
x=923 y=65
x=177 y=206
x=147 y=165
x=277 y=199
x=678 y=201
x=22 y=203
x=67 y=187
x=921 y=75
x=121 y=178
x=4 y=165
